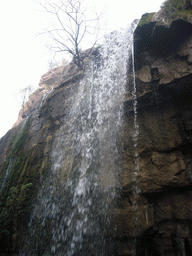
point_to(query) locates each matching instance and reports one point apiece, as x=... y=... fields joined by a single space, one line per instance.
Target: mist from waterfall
x=74 y=205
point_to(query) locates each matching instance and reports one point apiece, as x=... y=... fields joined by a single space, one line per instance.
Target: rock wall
x=153 y=213
x=25 y=159
x=155 y=207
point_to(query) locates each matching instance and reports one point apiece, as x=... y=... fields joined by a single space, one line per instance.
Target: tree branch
x=73 y=26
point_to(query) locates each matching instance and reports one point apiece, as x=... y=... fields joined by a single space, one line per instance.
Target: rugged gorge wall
x=153 y=213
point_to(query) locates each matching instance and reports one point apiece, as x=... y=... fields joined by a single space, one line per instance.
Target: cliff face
x=162 y=218
x=153 y=213
x=25 y=157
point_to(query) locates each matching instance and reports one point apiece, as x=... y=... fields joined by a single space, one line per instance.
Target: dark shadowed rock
x=161 y=221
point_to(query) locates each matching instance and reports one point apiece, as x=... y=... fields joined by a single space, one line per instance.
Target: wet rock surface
x=161 y=221
x=153 y=213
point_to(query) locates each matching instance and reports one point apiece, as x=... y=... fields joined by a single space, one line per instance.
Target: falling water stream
x=135 y=188
x=136 y=125
x=73 y=211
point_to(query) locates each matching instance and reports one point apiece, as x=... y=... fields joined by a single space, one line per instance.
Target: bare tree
x=71 y=27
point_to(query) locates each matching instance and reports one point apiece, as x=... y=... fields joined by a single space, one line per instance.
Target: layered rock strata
x=155 y=208
x=153 y=213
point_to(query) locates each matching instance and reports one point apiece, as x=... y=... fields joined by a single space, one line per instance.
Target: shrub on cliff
x=177 y=8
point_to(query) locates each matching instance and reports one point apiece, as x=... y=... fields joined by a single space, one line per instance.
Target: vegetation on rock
x=170 y=10
x=16 y=195
x=177 y=9
x=146 y=18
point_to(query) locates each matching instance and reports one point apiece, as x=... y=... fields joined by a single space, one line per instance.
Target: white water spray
x=86 y=158
x=136 y=125
x=135 y=188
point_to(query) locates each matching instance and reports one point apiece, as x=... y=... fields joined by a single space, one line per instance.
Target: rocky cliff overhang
x=163 y=75
x=163 y=63
x=160 y=40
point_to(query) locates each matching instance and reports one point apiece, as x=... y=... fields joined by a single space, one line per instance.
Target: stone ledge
x=160 y=40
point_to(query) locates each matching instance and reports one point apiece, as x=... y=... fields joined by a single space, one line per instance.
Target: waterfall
x=135 y=189
x=74 y=205
x=8 y=170
x=136 y=125
x=45 y=96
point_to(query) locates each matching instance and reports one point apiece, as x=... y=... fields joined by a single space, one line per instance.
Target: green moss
x=174 y=13
x=19 y=140
x=170 y=11
x=174 y=9
x=146 y=18
x=43 y=227
x=16 y=197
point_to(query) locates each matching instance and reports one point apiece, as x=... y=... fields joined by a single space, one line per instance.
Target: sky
x=23 y=55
